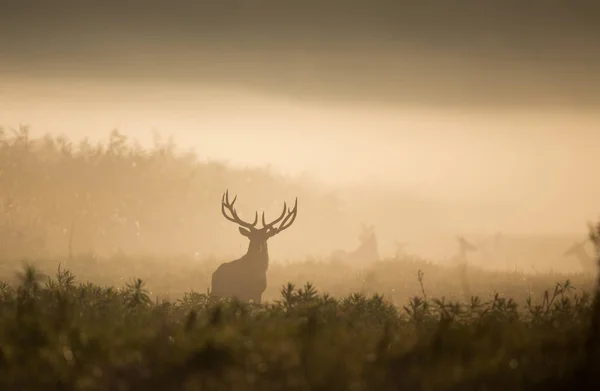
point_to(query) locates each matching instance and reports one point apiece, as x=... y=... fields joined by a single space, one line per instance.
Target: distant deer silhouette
x=464 y=248
x=400 y=250
x=587 y=262
x=460 y=260
x=246 y=278
x=367 y=251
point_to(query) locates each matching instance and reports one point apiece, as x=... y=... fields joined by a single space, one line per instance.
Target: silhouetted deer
x=464 y=247
x=588 y=263
x=367 y=251
x=461 y=261
x=400 y=250
x=246 y=278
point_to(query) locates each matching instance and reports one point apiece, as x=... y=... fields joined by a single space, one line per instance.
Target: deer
x=496 y=255
x=366 y=251
x=400 y=250
x=464 y=248
x=461 y=262
x=587 y=262
x=246 y=278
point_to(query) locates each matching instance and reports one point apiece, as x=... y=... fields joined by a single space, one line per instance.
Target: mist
x=426 y=122
x=529 y=162
x=309 y=194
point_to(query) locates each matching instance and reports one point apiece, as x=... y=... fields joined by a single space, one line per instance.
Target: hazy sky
x=418 y=53
x=464 y=99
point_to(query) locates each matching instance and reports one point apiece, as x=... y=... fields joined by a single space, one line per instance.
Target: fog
x=426 y=135
x=515 y=171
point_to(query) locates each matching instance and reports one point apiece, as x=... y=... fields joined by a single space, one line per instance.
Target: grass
x=58 y=333
x=172 y=277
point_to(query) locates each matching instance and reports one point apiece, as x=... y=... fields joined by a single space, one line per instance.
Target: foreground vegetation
x=60 y=334
x=172 y=277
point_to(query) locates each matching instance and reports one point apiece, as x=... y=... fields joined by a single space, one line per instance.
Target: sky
x=465 y=100
x=416 y=53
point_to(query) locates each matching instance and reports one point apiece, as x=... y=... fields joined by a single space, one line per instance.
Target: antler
x=234 y=216
x=288 y=216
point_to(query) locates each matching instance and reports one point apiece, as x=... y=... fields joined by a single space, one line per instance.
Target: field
x=426 y=330
x=397 y=280
x=93 y=298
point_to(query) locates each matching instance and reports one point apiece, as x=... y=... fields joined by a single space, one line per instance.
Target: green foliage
x=64 y=334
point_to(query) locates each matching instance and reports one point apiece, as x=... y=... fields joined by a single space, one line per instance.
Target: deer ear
x=244 y=232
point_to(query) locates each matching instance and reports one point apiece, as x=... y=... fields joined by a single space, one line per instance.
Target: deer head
x=576 y=249
x=465 y=245
x=400 y=247
x=258 y=236
x=367 y=235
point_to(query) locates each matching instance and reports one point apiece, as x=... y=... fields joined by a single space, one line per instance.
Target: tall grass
x=58 y=333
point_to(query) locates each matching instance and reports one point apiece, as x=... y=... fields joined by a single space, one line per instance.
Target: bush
x=60 y=334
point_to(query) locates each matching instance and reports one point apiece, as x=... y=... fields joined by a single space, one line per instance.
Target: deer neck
x=258 y=253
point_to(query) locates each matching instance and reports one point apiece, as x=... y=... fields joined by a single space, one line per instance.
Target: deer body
x=246 y=278
x=400 y=252
x=587 y=262
x=367 y=251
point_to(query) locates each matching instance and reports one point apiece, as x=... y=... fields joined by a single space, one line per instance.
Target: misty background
x=428 y=120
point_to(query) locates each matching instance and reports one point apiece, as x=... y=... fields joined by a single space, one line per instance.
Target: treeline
x=60 y=198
